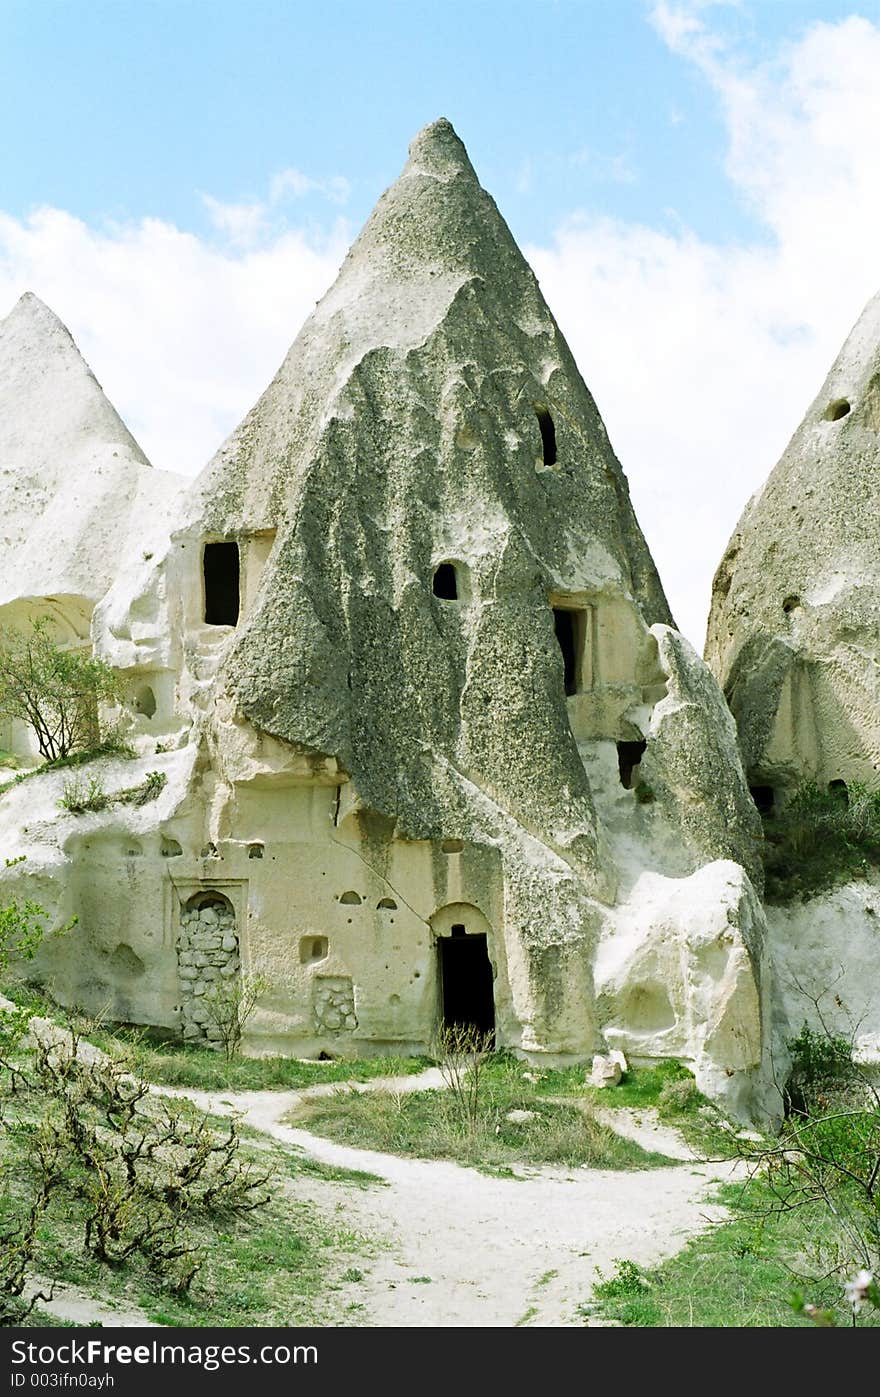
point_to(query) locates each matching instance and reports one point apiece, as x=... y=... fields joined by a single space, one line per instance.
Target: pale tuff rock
x=607 y=1071
x=825 y=953
x=444 y=747
x=794 y=631
x=77 y=494
x=684 y=975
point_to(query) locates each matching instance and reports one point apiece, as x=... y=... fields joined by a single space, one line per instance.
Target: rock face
x=446 y=747
x=78 y=498
x=75 y=487
x=794 y=631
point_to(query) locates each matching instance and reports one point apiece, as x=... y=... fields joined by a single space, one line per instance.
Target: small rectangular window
x=220 y=567
x=570 y=629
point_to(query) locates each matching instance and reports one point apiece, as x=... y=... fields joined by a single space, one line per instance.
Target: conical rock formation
x=794 y=631
x=446 y=754
x=77 y=494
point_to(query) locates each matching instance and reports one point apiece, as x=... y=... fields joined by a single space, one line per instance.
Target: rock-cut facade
x=435 y=751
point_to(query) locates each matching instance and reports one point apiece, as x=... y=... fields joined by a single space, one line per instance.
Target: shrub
x=56 y=691
x=461 y=1051
x=131 y=1169
x=230 y=1002
x=821 y=1071
x=820 y=838
x=84 y=793
x=679 y=1097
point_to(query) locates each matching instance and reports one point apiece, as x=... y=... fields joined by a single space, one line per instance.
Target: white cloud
x=246 y=224
x=242 y=224
x=293 y=182
x=183 y=335
x=703 y=358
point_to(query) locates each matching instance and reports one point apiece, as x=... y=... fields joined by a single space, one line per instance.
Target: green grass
x=301 y=1164
x=282 y=1265
x=178 y=1064
x=172 y=1063
x=112 y=748
x=739 y=1274
x=426 y=1124
x=820 y=839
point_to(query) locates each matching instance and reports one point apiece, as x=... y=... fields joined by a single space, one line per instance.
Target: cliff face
x=77 y=493
x=427 y=434
x=409 y=641
x=794 y=631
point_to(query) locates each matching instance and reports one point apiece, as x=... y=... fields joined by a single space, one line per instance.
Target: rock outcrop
x=445 y=747
x=794 y=631
x=77 y=494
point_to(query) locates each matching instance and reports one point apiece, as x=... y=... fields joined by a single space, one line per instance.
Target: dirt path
x=468 y=1249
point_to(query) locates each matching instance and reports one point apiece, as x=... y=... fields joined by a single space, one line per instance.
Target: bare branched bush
x=231 y=1002
x=140 y=1167
x=461 y=1051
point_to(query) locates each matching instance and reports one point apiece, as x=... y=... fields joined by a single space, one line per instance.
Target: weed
x=83 y=794
x=819 y=839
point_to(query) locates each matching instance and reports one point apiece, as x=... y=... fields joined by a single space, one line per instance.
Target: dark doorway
x=220 y=566
x=569 y=632
x=467 y=997
x=629 y=754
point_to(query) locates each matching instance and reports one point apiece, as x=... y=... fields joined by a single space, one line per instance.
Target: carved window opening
x=570 y=627
x=220 y=567
x=548 y=435
x=629 y=754
x=445 y=583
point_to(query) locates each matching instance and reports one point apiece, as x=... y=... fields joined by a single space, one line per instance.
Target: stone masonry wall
x=207 y=951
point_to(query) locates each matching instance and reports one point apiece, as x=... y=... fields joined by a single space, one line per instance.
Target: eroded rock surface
x=794 y=631
x=443 y=746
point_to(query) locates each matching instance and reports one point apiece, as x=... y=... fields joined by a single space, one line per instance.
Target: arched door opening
x=467 y=997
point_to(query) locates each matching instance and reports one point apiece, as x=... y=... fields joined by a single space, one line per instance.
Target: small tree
x=231 y=1002
x=461 y=1052
x=56 y=691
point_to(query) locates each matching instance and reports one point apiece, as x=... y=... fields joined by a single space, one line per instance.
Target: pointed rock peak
x=52 y=408
x=438 y=151
x=31 y=321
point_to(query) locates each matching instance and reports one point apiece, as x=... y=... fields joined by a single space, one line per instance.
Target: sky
x=695 y=182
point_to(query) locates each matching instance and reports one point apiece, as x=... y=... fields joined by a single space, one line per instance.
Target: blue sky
x=125 y=109
x=695 y=181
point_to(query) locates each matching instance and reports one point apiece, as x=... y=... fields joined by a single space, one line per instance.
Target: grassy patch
x=178 y=1064
x=303 y=1164
x=280 y=1265
x=739 y=1274
x=428 y=1125
x=113 y=747
x=819 y=839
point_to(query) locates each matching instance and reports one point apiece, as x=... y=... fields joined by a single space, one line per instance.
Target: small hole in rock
x=839 y=791
x=629 y=754
x=452 y=846
x=764 y=798
x=837 y=409
x=312 y=948
x=387 y=902
x=351 y=899
x=790 y=604
x=255 y=851
x=548 y=435
x=445 y=583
